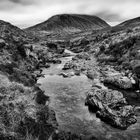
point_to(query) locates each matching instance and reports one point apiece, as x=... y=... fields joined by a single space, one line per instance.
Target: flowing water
x=67 y=99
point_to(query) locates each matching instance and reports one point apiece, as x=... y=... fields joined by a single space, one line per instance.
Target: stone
x=111 y=107
x=69 y=65
x=122 y=82
x=2 y=43
x=67 y=75
x=91 y=74
x=77 y=72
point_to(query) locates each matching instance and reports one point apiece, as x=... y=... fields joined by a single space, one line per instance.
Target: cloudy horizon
x=26 y=13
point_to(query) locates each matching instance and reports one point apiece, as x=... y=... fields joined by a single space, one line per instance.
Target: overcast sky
x=25 y=13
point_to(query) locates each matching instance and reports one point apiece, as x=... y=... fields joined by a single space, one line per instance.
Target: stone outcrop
x=111 y=107
x=120 y=82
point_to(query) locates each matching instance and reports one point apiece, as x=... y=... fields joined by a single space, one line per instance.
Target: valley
x=77 y=79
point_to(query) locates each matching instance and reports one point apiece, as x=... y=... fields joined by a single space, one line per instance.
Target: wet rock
x=40 y=65
x=40 y=97
x=2 y=43
x=111 y=107
x=53 y=60
x=91 y=74
x=137 y=110
x=69 y=65
x=77 y=72
x=67 y=75
x=38 y=73
x=83 y=55
x=56 y=61
x=66 y=55
x=60 y=50
x=122 y=82
x=121 y=119
x=47 y=65
x=117 y=79
x=136 y=69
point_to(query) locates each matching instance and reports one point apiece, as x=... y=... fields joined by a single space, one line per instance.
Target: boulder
x=67 y=75
x=122 y=118
x=2 y=43
x=111 y=107
x=56 y=61
x=77 y=72
x=69 y=65
x=136 y=69
x=91 y=74
x=119 y=81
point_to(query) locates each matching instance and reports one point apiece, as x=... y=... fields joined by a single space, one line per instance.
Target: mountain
x=9 y=31
x=70 y=22
x=130 y=23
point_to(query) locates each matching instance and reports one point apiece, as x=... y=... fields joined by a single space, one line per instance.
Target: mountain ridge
x=68 y=22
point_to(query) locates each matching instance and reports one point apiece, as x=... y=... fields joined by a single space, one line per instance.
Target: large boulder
x=122 y=118
x=117 y=79
x=111 y=107
x=122 y=82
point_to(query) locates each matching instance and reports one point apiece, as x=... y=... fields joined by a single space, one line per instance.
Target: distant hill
x=70 y=22
x=9 y=31
x=131 y=23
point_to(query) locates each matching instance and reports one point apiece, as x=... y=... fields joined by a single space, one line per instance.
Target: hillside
x=70 y=22
x=131 y=23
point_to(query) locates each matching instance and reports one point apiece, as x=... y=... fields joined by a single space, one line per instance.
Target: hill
x=70 y=22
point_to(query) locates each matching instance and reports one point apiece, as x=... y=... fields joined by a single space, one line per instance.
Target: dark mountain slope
x=67 y=22
x=131 y=22
x=8 y=30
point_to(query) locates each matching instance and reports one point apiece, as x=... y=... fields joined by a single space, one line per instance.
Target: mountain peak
x=69 y=22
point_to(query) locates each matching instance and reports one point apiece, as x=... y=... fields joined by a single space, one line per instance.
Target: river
x=68 y=101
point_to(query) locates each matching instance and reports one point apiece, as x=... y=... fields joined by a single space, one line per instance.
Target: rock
x=83 y=55
x=91 y=74
x=111 y=107
x=56 y=61
x=40 y=97
x=60 y=50
x=136 y=69
x=2 y=43
x=47 y=65
x=69 y=65
x=67 y=75
x=137 y=111
x=66 y=55
x=77 y=72
x=121 y=119
x=122 y=82
x=53 y=60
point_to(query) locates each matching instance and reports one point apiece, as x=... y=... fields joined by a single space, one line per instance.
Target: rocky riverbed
x=68 y=96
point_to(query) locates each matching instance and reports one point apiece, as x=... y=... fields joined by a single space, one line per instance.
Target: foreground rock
x=111 y=107
x=117 y=79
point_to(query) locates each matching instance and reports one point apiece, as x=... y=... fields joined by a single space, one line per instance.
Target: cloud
x=25 y=13
x=109 y=16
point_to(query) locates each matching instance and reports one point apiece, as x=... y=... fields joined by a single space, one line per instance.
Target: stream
x=68 y=101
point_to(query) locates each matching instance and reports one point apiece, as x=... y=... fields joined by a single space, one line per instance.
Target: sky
x=26 y=13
